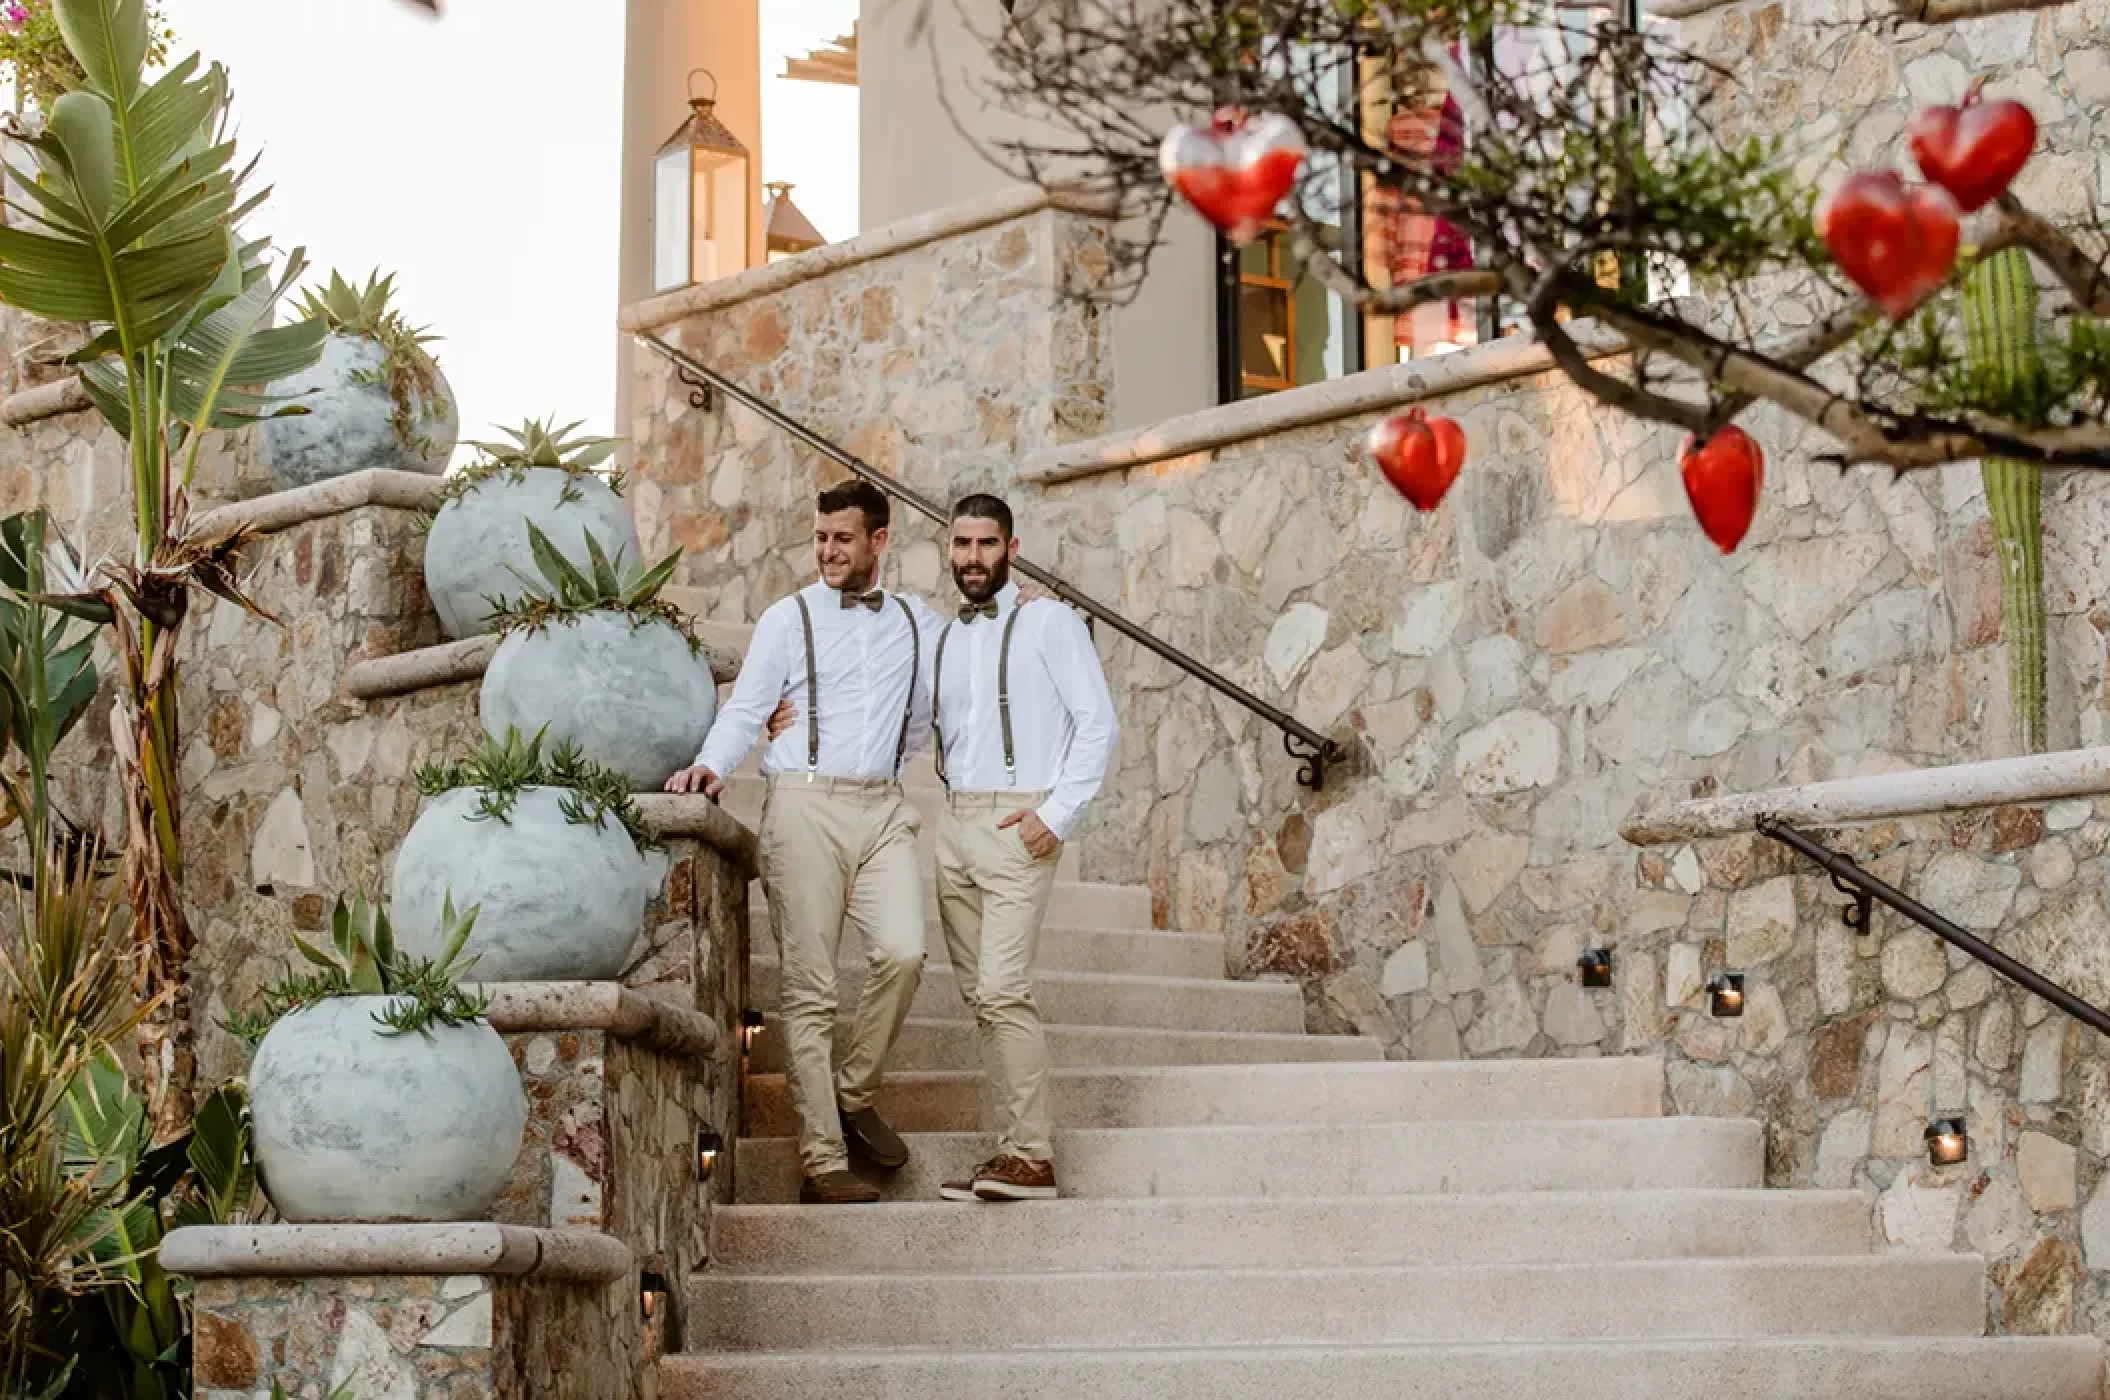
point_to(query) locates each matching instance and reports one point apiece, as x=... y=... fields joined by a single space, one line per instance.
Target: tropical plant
x=132 y=1334
x=67 y=976
x=136 y=203
x=362 y=960
x=504 y=768
x=34 y=50
x=536 y=443
x=47 y=676
x=407 y=371
x=605 y=585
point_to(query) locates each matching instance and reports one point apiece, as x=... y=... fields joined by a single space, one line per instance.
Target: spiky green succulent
x=608 y=583
x=408 y=371
x=506 y=767
x=362 y=960
x=538 y=442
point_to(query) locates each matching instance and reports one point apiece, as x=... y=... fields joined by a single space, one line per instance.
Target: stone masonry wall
x=1849 y=1043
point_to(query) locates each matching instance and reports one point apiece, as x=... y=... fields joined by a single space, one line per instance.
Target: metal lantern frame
x=700 y=195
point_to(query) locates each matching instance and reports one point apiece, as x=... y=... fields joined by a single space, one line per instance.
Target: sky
x=476 y=157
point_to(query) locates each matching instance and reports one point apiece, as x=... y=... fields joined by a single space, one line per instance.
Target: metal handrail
x=1845 y=872
x=1317 y=750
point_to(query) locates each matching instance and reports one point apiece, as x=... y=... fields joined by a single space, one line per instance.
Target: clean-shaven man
x=1024 y=729
x=837 y=838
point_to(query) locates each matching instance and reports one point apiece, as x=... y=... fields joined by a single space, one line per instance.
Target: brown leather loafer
x=837 y=1189
x=872 y=1142
x=962 y=1188
x=1015 y=1179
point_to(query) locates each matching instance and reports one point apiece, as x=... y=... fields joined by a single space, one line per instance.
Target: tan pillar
x=662 y=41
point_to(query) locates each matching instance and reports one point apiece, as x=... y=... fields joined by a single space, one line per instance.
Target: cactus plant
x=2000 y=330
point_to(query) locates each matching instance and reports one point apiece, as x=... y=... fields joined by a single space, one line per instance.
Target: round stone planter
x=556 y=900
x=350 y=423
x=633 y=696
x=478 y=549
x=354 y=1123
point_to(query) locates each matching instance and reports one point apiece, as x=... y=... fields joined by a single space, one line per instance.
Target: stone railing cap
x=1000 y=206
x=1957 y=787
x=694 y=815
x=451 y=663
x=1371 y=391
x=525 y=1007
x=282 y=510
x=470 y=1247
x=40 y=401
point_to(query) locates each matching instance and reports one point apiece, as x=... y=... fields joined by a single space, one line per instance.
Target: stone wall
x=1850 y=1043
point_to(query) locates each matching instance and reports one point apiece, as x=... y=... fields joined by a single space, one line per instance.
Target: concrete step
x=1140 y=952
x=1901 y=1295
x=1075 y=904
x=1791 y=1368
x=1386 y=1159
x=1339 y=1232
x=950 y=1045
x=1187 y=1096
x=743 y=799
x=1087 y=999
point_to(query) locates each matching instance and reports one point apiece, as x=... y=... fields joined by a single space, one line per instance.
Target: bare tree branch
x=2081 y=275
x=1953 y=11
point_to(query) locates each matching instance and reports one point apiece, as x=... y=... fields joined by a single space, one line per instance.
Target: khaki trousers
x=836 y=850
x=992 y=897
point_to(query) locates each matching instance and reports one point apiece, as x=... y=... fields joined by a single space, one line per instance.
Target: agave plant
x=607 y=584
x=131 y=225
x=408 y=371
x=538 y=443
x=362 y=960
x=505 y=767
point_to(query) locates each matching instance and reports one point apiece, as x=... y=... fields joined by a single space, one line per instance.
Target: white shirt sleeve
x=764 y=673
x=928 y=625
x=1080 y=683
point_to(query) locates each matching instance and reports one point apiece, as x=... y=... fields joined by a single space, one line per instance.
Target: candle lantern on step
x=708 y=1146
x=1595 y=967
x=651 y=1293
x=699 y=198
x=1725 y=994
x=750 y=1027
x=1947 y=1142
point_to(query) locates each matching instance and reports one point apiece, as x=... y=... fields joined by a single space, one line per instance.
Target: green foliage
x=538 y=443
x=66 y=998
x=31 y=45
x=605 y=585
x=362 y=960
x=408 y=371
x=504 y=768
x=2000 y=339
x=47 y=675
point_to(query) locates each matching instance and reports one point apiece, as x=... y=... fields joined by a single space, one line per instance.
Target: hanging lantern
x=699 y=199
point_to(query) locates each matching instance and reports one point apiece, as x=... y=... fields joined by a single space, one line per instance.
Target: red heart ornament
x=1975 y=150
x=1235 y=170
x=1722 y=480
x=1421 y=456
x=1896 y=242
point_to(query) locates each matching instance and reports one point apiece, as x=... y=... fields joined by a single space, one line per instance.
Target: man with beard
x=837 y=838
x=1023 y=728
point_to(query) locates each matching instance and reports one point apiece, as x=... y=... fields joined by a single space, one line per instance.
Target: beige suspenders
x=813 y=687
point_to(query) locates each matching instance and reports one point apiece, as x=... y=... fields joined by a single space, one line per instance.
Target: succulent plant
x=503 y=768
x=408 y=371
x=607 y=584
x=362 y=960
x=538 y=442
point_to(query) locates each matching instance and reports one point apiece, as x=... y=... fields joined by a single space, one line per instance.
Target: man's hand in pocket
x=1039 y=841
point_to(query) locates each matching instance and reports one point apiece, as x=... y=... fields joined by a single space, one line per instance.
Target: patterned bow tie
x=875 y=600
x=970 y=611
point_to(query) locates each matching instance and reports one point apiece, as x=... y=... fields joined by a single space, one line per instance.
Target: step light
x=708 y=1144
x=1947 y=1142
x=750 y=1026
x=1725 y=994
x=652 y=1292
x=1595 y=967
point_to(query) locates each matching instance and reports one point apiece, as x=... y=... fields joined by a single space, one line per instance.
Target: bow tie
x=970 y=611
x=875 y=600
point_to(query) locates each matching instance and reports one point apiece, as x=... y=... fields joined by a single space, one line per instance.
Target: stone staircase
x=1250 y=1210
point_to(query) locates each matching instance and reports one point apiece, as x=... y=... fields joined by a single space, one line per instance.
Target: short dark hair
x=983 y=506
x=857 y=494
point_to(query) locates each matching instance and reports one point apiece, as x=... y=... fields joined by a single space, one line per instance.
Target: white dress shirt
x=863 y=660
x=1062 y=718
